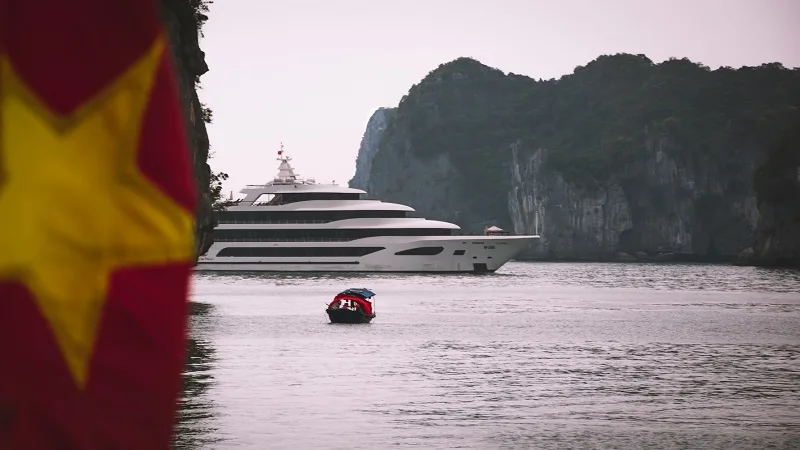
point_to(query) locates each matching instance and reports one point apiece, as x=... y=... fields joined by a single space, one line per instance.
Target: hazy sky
x=310 y=73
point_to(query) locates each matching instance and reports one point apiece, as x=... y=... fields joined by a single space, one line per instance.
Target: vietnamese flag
x=96 y=226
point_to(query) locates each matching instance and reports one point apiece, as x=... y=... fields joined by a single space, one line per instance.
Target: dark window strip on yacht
x=283 y=199
x=303 y=216
x=280 y=262
x=296 y=252
x=320 y=235
x=428 y=251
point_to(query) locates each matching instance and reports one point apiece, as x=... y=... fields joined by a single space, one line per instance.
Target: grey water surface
x=537 y=355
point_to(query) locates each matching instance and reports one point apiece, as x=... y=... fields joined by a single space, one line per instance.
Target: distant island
x=623 y=159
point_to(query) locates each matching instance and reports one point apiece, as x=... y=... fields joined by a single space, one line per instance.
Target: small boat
x=354 y=305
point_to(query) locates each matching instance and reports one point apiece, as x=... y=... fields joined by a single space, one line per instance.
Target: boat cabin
x=495 y=231
x=352 y=306
x=354 y=300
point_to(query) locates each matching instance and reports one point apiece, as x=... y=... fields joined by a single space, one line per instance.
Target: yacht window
x=323 y=235
x=264 y=198
x=289 y=252
x=421 y=251
x=303 y=216
x=458 y=252
x=285 y=198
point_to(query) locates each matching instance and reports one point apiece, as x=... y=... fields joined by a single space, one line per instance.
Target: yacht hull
x=458 y=254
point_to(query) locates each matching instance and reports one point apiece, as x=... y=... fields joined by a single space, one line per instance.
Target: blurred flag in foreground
x=96 y=226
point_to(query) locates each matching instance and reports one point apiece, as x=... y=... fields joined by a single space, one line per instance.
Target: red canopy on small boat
x=366 y=305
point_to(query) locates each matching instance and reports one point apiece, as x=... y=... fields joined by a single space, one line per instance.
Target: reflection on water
x=658 y=276
x=196 y=427
x=546 y=389
x=679 y=277
x=536 y=356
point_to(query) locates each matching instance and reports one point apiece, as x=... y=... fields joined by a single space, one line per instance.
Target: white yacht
x=292 y=224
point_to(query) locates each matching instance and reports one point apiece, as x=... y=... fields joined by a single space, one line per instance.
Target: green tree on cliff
x=217 y=200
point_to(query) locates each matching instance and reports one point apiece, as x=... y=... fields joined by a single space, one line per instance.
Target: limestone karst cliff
x=369 y=145
x=183 y=20
x=623 y=158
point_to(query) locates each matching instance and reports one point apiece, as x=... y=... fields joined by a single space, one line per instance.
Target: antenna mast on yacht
x=286 y=174
x=280 y=155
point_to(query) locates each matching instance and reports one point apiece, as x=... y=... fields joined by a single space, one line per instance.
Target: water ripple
x=536 y=356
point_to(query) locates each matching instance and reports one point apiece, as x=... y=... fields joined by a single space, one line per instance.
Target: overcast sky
x=310 y=73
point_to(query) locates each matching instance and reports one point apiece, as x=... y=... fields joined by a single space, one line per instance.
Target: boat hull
x=342 y=315
x=459 y=254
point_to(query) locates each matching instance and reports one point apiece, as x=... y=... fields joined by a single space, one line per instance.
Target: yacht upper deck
x=289 y=184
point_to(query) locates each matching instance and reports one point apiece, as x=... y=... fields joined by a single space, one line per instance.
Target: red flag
x=96 y=236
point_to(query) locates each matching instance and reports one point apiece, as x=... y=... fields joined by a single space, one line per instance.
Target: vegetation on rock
x=735 y=130
x=218 y=201
x=595 y=120
x=200 y=8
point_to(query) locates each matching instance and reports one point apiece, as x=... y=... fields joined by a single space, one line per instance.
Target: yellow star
x=74 y=204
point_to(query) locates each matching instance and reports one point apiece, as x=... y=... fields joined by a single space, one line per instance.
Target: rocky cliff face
x=660 y=208
x=369 y=146
x=777 y=184
x=413 y=164
x=183 y=19
x=623 y=159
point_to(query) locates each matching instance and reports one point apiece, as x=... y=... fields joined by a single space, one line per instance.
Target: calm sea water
x=537 y=355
